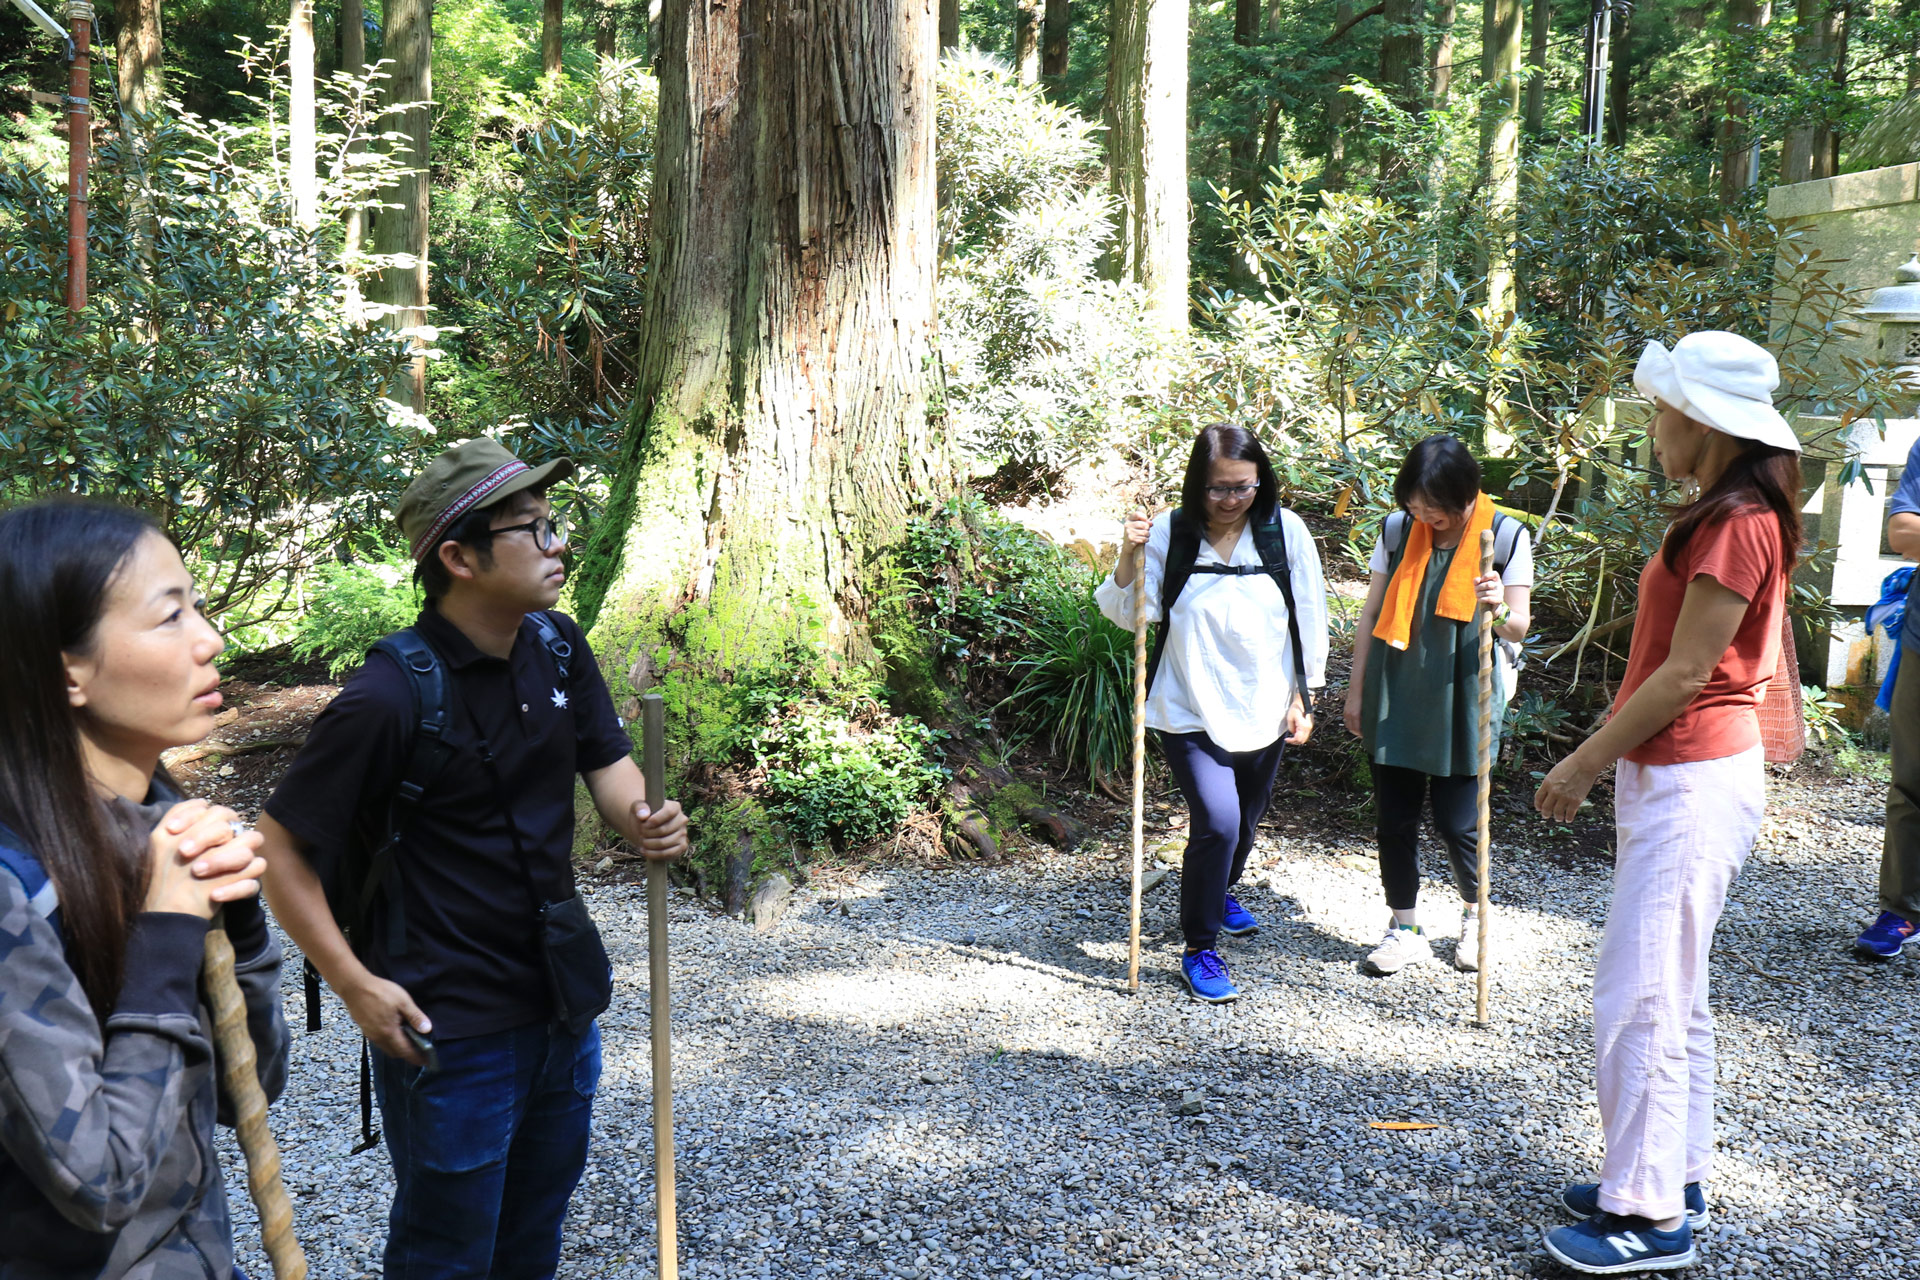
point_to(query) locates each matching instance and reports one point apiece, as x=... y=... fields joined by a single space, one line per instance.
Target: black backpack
x=371 y=867
x=1183 y=549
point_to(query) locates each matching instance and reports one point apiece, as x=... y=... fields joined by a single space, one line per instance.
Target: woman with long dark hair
x=1413 y=697
x=1235 y=581
x=108 y=880
x=1689 y=793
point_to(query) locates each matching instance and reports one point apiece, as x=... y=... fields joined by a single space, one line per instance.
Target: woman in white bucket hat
x=1689 y=792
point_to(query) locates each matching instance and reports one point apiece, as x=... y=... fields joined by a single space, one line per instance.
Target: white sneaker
x=1466 y=956
x=1400 y=948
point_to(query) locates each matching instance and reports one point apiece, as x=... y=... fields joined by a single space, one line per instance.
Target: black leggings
x=1399 y=795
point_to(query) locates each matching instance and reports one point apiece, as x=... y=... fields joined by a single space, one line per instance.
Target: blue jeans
x=1227 y=794
x=486 y=1152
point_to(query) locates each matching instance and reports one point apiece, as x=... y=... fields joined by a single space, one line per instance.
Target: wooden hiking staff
x=653 y=754
x=1485 y=789
x=240 y=1073
x=1139 y=760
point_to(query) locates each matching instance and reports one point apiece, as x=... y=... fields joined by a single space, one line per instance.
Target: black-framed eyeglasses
x=546 y=530
x=1222 y=492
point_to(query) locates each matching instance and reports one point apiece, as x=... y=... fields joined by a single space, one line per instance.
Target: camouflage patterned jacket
x=107 y=1163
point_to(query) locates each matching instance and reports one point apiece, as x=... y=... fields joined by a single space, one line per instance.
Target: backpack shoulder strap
x=1270 y=540
x=556 y=643
x=1183 y=548
x=1507 y=533
x=432 y=713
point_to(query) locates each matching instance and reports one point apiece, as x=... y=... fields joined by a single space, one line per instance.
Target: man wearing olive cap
x=487 y=1120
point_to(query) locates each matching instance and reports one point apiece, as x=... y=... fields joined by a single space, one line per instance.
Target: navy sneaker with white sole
x=1884 y=937
x=1609 y=1244
x=1239 y=920
x=1206 y=975
x=1582 y=1200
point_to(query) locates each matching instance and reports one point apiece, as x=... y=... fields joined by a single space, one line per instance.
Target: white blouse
x=1226 y=668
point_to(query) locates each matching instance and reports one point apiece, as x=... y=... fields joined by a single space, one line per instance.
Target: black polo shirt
x=472 y=958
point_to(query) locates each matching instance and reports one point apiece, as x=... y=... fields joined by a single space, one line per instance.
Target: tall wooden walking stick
x=653 y=722
x=240 y=1073
x=1139 y=762
x=1486 y=780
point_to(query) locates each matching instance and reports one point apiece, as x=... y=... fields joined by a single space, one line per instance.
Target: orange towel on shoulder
x=1456 y=593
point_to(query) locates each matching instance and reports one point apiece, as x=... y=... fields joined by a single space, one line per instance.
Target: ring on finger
x=238 y=829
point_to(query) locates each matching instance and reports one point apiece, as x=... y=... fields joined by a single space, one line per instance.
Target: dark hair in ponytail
x=1759 y=476
x=58 y=558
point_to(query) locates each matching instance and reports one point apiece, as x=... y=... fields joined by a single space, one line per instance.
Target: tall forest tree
x=1739 y=153
x=408 y=31
x=1055 y=32
x=553 y=17
x=785 y=420
x=1146 y=117
x=1026 y=40
x=1806 y=152
x=303 y=179
x=138 y=69
x=1500 y=150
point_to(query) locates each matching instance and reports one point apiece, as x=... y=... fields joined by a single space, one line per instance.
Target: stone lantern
x=1896 y=309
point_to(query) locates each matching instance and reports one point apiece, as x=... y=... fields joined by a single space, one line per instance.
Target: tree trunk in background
x=1826 y=139
x=1243 y=148
x=553 y=17
x=1026 y=40
x=138 y=70
x=606 y=34
x=1620 y=80
x=1402 y=68
x=1500 y=149
x=1812 y=44
x=303 y=178
x=1054 y=37
x=1146 y=115
x=1339 y=107
x=784 y=425
x=1540 y=26
x=408 y=31
x=352 y=32
x=949 y=24
x=1738 y=159
x=1440 y=60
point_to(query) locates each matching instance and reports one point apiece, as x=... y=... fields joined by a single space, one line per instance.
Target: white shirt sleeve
x=1309 y=597
x=1116 y=601
x=1519 y=570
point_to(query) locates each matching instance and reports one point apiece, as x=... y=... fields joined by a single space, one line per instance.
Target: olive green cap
x=466 y=477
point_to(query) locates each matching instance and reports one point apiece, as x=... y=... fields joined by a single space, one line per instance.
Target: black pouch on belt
x=579 y=975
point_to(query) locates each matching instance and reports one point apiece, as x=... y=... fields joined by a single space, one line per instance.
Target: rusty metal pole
x=79 y=146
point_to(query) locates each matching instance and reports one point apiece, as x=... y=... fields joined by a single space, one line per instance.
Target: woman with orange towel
x=1413 y=697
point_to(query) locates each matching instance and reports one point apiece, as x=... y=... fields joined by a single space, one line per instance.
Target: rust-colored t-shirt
x=1742 y=554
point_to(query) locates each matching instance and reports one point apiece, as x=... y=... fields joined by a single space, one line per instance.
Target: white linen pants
x=1683 y=832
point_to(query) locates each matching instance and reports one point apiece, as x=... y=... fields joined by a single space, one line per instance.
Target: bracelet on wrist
x=1503 y=614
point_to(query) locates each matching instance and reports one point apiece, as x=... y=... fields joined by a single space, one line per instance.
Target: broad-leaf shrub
x=222 y=376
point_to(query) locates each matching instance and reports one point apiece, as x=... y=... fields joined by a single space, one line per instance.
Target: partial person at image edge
x=108 y=1086
x=1899 y=919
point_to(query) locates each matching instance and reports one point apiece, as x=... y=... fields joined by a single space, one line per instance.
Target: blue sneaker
x=1206 y=976
x=1582 y=1200
x=1239 y=920
x=1610 y=1244
x=1884 y=937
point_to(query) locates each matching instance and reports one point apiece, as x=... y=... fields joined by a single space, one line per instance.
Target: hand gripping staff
x=653 y=720
x=239 y=1072
x=1486 y=779
x=1139 y=762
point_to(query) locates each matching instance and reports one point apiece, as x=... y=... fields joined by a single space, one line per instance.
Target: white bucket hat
x=1721 y=379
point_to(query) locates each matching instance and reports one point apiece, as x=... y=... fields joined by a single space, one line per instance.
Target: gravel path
x=936 y=1074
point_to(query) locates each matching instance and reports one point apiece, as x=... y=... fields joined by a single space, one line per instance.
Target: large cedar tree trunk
x=1739 y=161
x=409 y=44
x=1146 y=116
x=303 y=178
x=1500 y=151
x=1813 y=41
x=784 y=421
x=1026 y=40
